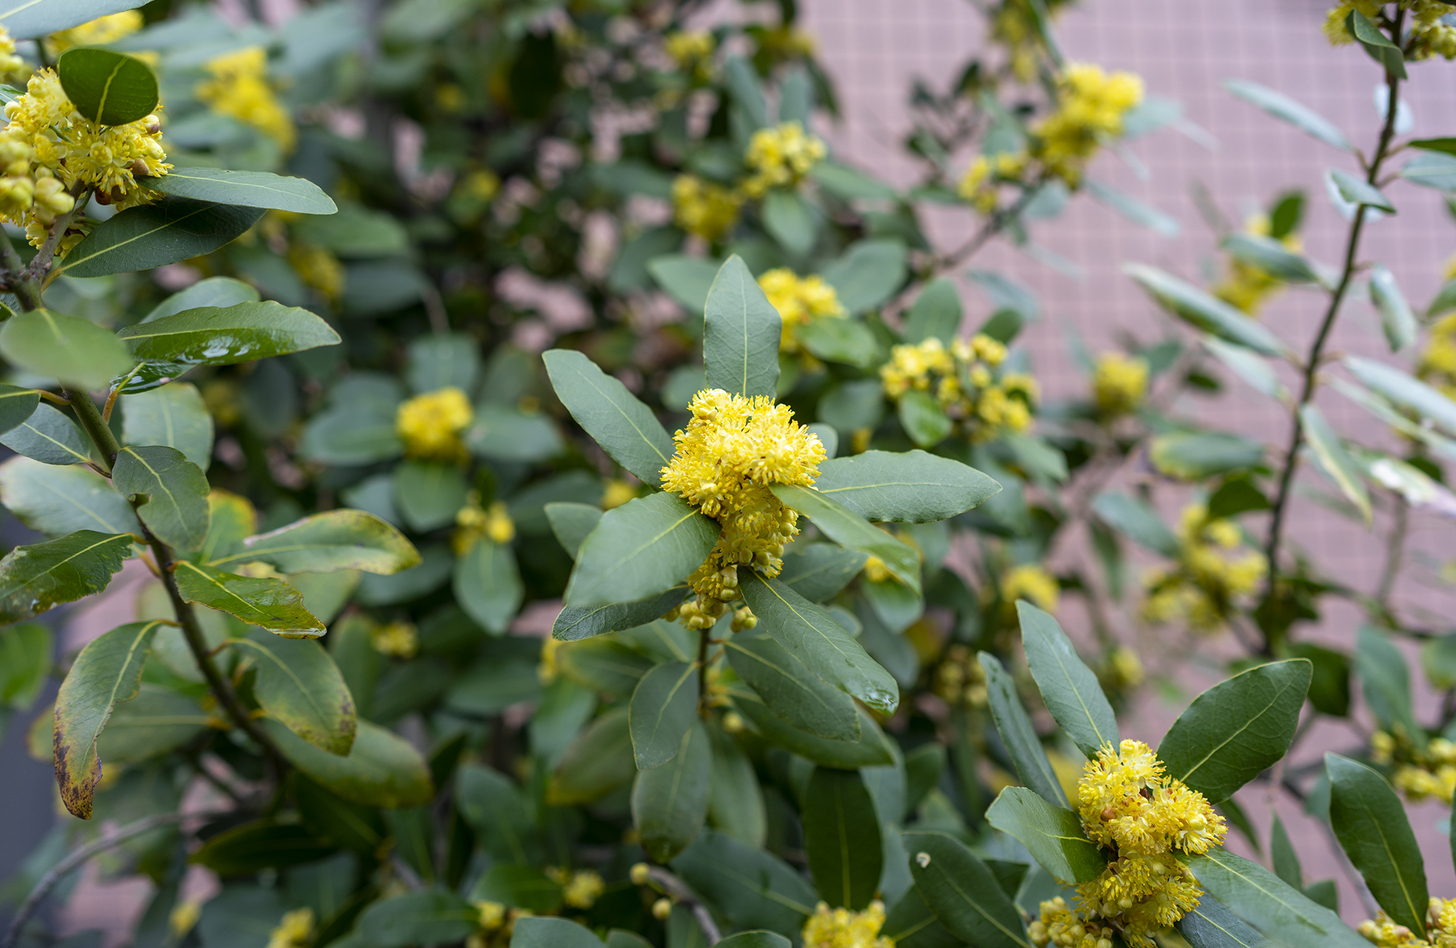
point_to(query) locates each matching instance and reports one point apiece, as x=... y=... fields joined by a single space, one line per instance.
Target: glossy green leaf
x=170 y=492
x=552 y=933
x=212 y=291
x=923 y=419
x=842 y=838
x=1137 y=520
x=741 y=334
x=263 y=844
x=624 y=427
x=34 y=578
x=333 y=540
x=25 y=663
x=299 y=685
x=487 y=585
x=735 y=799
x=751 y=887
x=1330 y=451
x=421 y=917
x=1018 y=735
x=76 y=351
x=1405 y=391
x=1270 y=256
x=1210 y=924
x=599 y=761
x=381 y=768
x=1052 y=834
x=571 y=523
x=1237 y=729
x=574 y=624
x=664 y=706
x=270 y=603
x=638 y=550
x=211 y=335
x=789 y=686
x=1067 y=685
x=962 y=892
x=59 y=500
x=1204 y=310
x=869 y=273
x=16 y=405
x=816 y=640
x=1287 y=110
x=49 y=437
x=670 y=802
x=175 y=416
x=909 y=487
x=154 y=235
x=871 y=750
x=1370 y=822
x=107 y=87
x=1274 y=908
x=245 y=189
x=848 y=528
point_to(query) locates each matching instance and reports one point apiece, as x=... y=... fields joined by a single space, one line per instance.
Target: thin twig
x=1394 y=553
x=679 y=891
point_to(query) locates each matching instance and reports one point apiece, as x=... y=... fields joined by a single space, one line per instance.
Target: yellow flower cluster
x=1440 y=928
x=1429 y=36
x=786 y=42
x=1014 y=27
x=239 y=88
x=1121 y=671
x=691 y=50
x=50 y=153
x=495 y=923
x=1090 y=111
x=962 y=380
x=12 y=67
x=842 y=928
x=982 y=180
x=472 y=522
x=960 y=679
x=294 y=930
x=1438 y=362
x=1032 y=583
x=1119 y=383
x=1203 y=586
x=616 y=493
x=319 y=268
x=1418 y=773
x=780 y=157
x=397 y=639
x=731 y=452
x=1059 y=925
x=548 y=667
x=1246 y=286
x=430 y=425
x=99 y=32
x=798 y=300
x=704 y=208
x=579 y=889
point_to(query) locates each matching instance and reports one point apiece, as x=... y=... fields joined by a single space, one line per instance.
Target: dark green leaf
x=741 y=334
x=1018 y=734
x=333 y=540
x=1203 y=310
x=1279 y=911
x=599 y=761
x=912 y=487
x=1370 y=822
x=640 y=549
x=735 y=800
x=244 y=189
x=35 y=578
x=49 y=437
x=514 y=886
x=59 y=500
x=791 y=220
x=571 y=523
x=935 y=314
x=685 y=279
x=16 y=405
x=506 y=433
x=842 y=838
x=253 y=847
x=488 y=586
x=552 y=933
x=1193 y=456
x=923 y=419
x=381 y=769
x=1386 y=683
x=848 y=528
x=498 y=810
x=791 y=689
x=1330 y=451
x=670 y=802
x=751 y=887
x=174 y=415
x=1053 y=834
x=155 y=235
x=428 y=494
x=76 y=351
x=574 y=624
x=1210 y=924
x=170 y=491
x=1282 y=855
x=107 y=87
x=871 y=750
x=25 y=663
x=817 y=571
x=270 y=603
x=211 y=335
x=299 y=685
x=664 y=706
x=850 y=183
x=869 y=273
x=422 y=917
x=840 y=340
x=1287 y=110
x=355 y=231
x=1138 y=521
x=1068 y=686
x=604 y=665
x=624 y=427
x=213 y=291
x=962 y=892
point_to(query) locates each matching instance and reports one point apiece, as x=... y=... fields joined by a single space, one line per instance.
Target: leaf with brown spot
x=263 y=601
x=107 y=671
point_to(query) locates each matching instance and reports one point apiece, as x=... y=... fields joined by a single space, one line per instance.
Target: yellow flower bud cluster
x=1014 y=27
x=704 y=208
x=474 y=522
x=1058 y=925
x=12 y=68
x=960 y=679
x=692 y=50
x=1245 y=286
x=786 y=42
x=962 y=379
x=732 y=451
x=495 y=923
x=798 y=300
x=780 y=157
x=616 y=493
x=1202 y=588
x=1428 y=35
x=1030 y=582
x=293 y=931
x=1437 y=365
x=1440 y=928
x=238 y=87
x=397 y=639
x=1418 y=773
x=842 y=928
x=983 y=179
x=579 y=889
x=1121 y=671
x=99 y=32
x=1131 y=807
x=319 y=268
x=1119 y=383
x=430 y=425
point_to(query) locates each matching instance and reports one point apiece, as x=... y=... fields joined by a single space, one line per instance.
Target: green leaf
x=498 y=810
x=213 y=291
x=211 y=335
x=428 y=494
x=604 y=665
x=842 y=838
x=570 y=523
x=259 y=845
x=1396 y=317
x=505 y=433
x=16 y=405
x=1203 y=310
x=670 y=802
x=841 y=340
x=174 y=415
x=735 y=801
x=170 y=492
x=850 y=183
x=1192 y=456
x=108 y=670
x=1386 y=683
x=381 y=768
x=76 y=351
x=1405 y=391
x=574 y=624
x=869 y=273
x=1270 y=256
x=1370 y=822
x=1144 y=215
x=1253 y=368
x=791 y=689
x=871 y=750
x=1018 y=735
x=685 y=279
x=818 y=571
x=487 y=585
x=664 y=706
x=741 y=334
x=25 y=663
x=752 y=888
x=1375 y=43
x=107 y=87
x=552 y=933
x=791 y=220
x=758 y=939
x=333 y=540
x=624 y=427
x=962 y=892
x=1068 y=686
x=1287 y=110
x=847 y=528
x=824 y=647
x=244 y=189
x=640 y=549
x=28 y=19
x=154 y=235
x=49 y=437
x=1210 y=924
x=1330 y=451
x=596 y=763
x=935 y=314
x=59 y=500
x=1357 y=191
x=355 y=231
x=515 y=886
x=1276 y=909
x=1053 y=834
x=923 y=419
x=299 y=685
x=34 y=578
x=1237 y=729
x=266 y=602
x=422 y=917
x=913 y=487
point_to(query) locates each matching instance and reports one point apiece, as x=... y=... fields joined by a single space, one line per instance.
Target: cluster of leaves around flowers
x=836 y=749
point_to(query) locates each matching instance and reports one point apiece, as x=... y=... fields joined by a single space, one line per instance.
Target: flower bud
x=661 y=909
x=640 y=873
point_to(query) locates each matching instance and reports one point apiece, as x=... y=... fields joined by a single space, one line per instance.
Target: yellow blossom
x=492 y=915
x=239 y=88
x=962 y=381
x=1427 y=35
x=1440 y=928
x=582 y=889
x=319 y=268
x=984 y=174
x=1245 y=286
x=780 y=157
x=1420 y=773
x=732 y=451
x=98 y=32
x=1119 y=384
x=547 y=670
x=430 y=425
x=1030 y=582
x=1206 y=583
x=798 y=300
x=184 y=917
x=294 y=930
x=704 y=208
x=1059 y=925
x=1090 y=109
x=691 y=50
x=12 y=68
x=960 y=679
x=398 y=639
x=617 y=493
x=843 y=928
x=1437 y=366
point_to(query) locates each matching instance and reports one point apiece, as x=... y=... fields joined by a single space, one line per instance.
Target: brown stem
x=1394 y=552
x=45 y=258
x=26 y=291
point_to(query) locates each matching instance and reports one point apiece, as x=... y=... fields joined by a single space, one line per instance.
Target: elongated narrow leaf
x=913 y=487
x=171 y=493
x=741 y=334
x=58 y=500
x=1405 y=391
x=1018 y=734
x=871 y=750
x=382 y=769
x=1270 y=256
x=1370 y=822
x=1067 y=685
x=788 y=684
x=1210 y=924
x=1237 y=729
x=27 y=19
x=735 y=800
x=670 y=802
x=664 y=705
x=1276 y=909
x=1204 y=310
x=245 y=189
x=1140 y=213
x=35 y=578
x=1286 y=109
x=1386 y=682
x=638 y=550
x=848 y=528
x=1334 y=459
x=752 y=888
x=1396 y=316
x=211 y=335
x=1052 y=834
x=1357 y=191
x=1137 y=520
x=155 y=235
x=842 y=838
x=108 y=670
x=299 y=685
x=76 y=351
x=574 y=624
x=963 y=893
x=624 y=427
x=266 y=602
x=570 y=523
x=813 y=636
x=333 y=540
x=107 y=87
x=49 y=437
x=26 y=651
